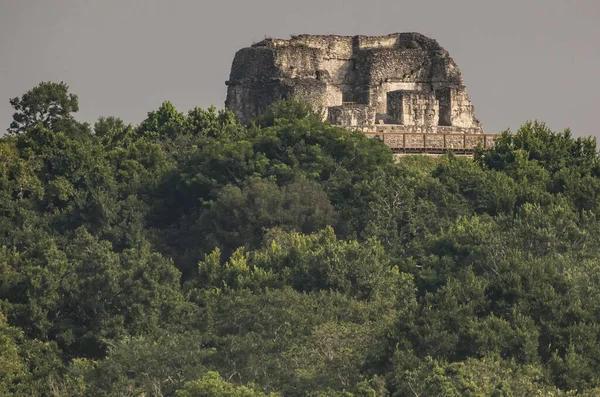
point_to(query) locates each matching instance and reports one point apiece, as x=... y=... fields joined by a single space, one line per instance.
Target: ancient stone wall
x=352 y=115
x=413 y=108
x=333 y=72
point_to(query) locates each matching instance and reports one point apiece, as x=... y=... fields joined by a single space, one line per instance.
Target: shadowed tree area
x=192 y=256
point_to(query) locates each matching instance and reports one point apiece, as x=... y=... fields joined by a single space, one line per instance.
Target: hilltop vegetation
x=192 y=256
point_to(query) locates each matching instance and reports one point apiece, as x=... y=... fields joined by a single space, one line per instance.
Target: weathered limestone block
x=454 y=142
x=352 y=115
x=395 y=141
x=433 y=141
x=413 y=108
x=413 y=141
x=336 y=71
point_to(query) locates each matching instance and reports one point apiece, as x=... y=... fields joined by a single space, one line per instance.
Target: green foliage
x=194 y=256
x=112 y=132
x=240 y=216
x=48 y=104
x=11 y=365
x=166 y=122
x=212 y=385
x=284 y=112
x=318 y=262
x=158 y=364
x=209 y=123
x=488 y=376
x=83 y=293
x=28 y=367
x=554 y=151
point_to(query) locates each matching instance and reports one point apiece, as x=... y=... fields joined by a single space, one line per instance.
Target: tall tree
x=49 y=104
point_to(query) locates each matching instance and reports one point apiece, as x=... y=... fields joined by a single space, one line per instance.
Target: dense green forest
x=192 y=256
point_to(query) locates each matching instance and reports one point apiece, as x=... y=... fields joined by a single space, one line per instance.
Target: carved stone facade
x=402 y=82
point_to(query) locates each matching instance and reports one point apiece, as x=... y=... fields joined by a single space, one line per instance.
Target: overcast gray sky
x=521 y=59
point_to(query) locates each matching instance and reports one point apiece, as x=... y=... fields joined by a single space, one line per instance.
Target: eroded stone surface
x=400 y=82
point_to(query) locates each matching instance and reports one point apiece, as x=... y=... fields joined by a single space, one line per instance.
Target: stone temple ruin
x=403 y=82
